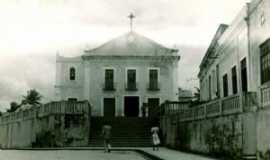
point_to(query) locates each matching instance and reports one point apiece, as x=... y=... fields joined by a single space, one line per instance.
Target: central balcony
x=109 y=86
x=153 y=86
x=131 y=86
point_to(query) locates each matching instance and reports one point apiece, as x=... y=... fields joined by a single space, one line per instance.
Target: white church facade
x=119 y=76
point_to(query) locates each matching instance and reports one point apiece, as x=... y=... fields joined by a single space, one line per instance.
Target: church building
x=119 y=76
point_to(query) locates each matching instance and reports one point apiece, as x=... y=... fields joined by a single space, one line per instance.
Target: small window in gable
x=72 y=73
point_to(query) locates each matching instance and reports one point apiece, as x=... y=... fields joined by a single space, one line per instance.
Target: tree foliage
x=265 y=155
x=13 y=107
x=222 y=142
x=33 y=97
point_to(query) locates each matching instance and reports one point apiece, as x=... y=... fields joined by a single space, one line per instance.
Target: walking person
x=144 y=110
x=106 y=133
x=155 y=138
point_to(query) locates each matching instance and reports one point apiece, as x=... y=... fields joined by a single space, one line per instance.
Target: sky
x=33 y=31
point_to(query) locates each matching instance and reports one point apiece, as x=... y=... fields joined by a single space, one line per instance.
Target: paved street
x=163 y=153
x=68 y=155
x=168 y=154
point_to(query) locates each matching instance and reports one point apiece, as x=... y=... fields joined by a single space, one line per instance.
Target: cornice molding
x=174 y=57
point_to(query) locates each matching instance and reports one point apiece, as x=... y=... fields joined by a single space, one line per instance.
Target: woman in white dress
x=155 y=138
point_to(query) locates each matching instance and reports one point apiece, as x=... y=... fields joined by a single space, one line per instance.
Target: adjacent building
x=259 y=48
x=237 y=58
x=223 y=70
x=119 y=76
x=235 y=75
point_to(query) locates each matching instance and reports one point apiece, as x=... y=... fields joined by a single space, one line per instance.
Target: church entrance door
x=131 y=106
x=109 y=107
x=153 y=103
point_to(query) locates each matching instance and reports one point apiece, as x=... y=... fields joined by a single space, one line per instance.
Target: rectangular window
x=265 y=61
x=72 y=73
x=244 y=75
x=234 y=80
x=131 y=79
x=217 y=80
x=225 y=85
x=214 y=82
x=153 y=79
x=109 y=82
x=210 y=88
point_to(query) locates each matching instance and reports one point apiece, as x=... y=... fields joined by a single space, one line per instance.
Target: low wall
x=225 y=126
x=201 y=135
x=263 y=130
x=54 y=124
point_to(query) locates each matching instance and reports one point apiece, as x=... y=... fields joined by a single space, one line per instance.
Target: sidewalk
x=169 y=154
x=163 y=153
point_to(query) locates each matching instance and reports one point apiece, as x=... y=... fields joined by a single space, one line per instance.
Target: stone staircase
x=126 y=132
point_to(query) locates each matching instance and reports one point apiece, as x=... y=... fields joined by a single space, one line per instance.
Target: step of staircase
x=126 y=132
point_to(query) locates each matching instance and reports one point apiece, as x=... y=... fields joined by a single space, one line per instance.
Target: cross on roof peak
x=131 y=16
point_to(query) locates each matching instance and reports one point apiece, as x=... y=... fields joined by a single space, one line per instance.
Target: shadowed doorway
x=109 y=107
x=131 y=106
x=153 y=103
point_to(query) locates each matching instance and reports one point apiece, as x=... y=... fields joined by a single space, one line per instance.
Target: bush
x=265 y=156
x=222 y=142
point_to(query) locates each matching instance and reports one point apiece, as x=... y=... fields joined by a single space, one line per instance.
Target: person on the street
x=106 y=133
x=144 y=109
x=155 y=138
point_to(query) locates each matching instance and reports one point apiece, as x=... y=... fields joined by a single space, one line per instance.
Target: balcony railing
x=131 y=86
x=61 y=107
x=153 y=86
x=231 y=104
x=265 y=96
x=109 y=86
x=223 y=106
x=169 y=108
x=199 y=112
x=250 y=100
x=212 y=108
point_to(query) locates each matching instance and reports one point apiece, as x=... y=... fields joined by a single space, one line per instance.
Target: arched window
x=72 y=73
